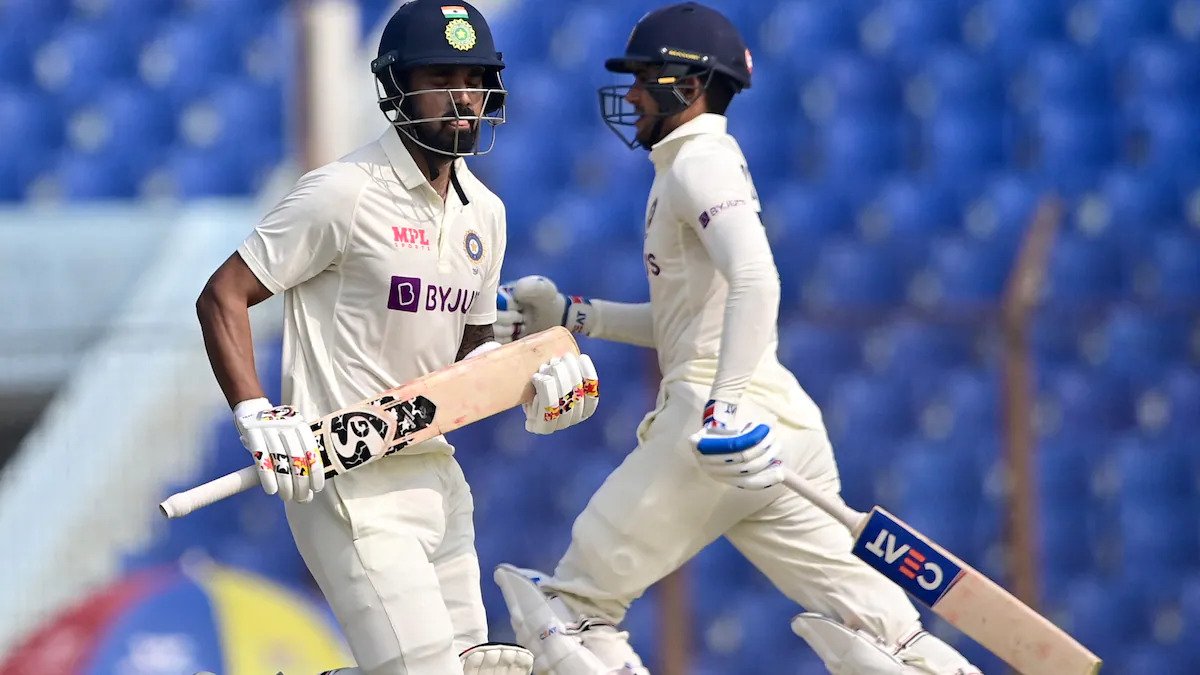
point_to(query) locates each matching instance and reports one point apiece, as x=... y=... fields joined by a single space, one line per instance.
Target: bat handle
x=853 y=520
x=182 y=503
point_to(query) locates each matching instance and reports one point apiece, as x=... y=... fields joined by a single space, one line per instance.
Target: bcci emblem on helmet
x=460 y=35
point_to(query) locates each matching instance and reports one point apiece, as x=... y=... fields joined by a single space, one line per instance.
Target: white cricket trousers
x=658 y=509
x=392 y=546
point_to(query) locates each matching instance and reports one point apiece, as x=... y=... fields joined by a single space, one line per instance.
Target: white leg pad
x=928 y=654
x=497 y=658
x=563 y=643
x=847 y=652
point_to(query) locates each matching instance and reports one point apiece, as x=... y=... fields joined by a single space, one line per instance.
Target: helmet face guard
x=397 y=106
x=618 y=113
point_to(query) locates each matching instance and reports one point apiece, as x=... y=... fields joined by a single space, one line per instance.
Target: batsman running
x=389 y=261
x=726 y=409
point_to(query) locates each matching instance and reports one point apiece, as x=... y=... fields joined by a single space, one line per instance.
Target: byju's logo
x=892 y=549
x=405 y=295
x=409 y=294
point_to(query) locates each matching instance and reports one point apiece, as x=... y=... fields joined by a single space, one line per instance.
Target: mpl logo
x=896 y=552
x=410 y=237
x=410 y=294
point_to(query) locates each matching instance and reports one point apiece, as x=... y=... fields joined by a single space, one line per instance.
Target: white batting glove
x=533 y=304
x=567 y=392
x=482 y=349
x=510 y=323
x=496 y=658
x=284 y=449
x=746 y=458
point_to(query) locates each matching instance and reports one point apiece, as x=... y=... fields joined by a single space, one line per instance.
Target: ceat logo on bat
x=893 y=550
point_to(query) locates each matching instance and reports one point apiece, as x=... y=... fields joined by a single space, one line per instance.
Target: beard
x=440 y=135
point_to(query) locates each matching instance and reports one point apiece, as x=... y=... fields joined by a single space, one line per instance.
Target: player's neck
x=435 y=167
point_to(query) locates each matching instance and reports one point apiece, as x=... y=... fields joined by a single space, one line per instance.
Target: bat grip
x=182 y=503
x=853 y=520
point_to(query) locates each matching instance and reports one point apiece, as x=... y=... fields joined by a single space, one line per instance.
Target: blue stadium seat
x=604 y=166
x=1083 y=270
x=1056 y=335
x=1153 y=473
x=1008 y=30
x=1113 y=26
x=921 y=468
x=819 y=355
x=1160 y=659
x=908 y=213
x=32 y=125
x=1067 y=545
x=851 y=85
x=134 y=21
x=1189 y=605
x=1173 y=268
x=15 y=51
x=799 y=218
x=82 y=177
x=129 y=124
x=1181 y=389
x=239 y=19
x=1138 y=345
x=910 y=352
x=955 y=79
x=188 y=58
x=963 y=407
x=1136 y=201
x=1159 y=546
x=1102 y=614
x=1003 y=210
x=1073 y=146
x=1064 y=471
x=856 y=153
x=248 y=122
x=803 y=33
x=716 y=574
x=196 y=173
x=81 y=60
x=964 y=275
x=1065 y=77
x=962 y=149
x=906 y=30
x=1087 y=400
x=1162 y=70
x=869 y=407
x=851 y=277
x=1172 y=133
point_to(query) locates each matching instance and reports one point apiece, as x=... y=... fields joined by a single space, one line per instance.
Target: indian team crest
x=460 y=35
x=473 y=245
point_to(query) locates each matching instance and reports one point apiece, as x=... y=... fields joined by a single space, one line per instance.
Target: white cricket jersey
x=380 y=275
x=702 y=229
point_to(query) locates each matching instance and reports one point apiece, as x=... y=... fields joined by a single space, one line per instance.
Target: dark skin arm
x=473 y=336
x=224 y=312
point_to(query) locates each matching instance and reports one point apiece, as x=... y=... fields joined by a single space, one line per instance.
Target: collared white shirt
x=380 y=275
x=714 y=289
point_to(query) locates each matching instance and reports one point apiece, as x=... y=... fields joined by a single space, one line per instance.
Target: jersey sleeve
x=715 y=195
x=483 y=310
x=305 y=234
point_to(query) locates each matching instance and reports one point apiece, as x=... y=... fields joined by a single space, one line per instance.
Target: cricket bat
x=954 y=590
x=431 y=405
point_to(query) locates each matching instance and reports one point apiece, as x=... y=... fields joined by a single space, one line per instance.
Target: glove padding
x=746 y=459
x=510 y=322
x=533 y=304
x=284 y=449
x=567 y=392
x=496 y=658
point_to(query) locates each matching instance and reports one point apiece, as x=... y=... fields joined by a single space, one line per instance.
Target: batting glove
x=532 y=304
x=567 y=392
x=745 y=457
x=284 y=449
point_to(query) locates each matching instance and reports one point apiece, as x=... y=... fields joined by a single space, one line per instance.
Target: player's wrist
x=719 y=414
x=251 y=406
x=578 y=314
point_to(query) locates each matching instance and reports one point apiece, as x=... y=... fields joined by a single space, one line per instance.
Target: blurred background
x=986 y=218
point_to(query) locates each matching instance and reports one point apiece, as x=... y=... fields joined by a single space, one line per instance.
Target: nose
x=634 y=93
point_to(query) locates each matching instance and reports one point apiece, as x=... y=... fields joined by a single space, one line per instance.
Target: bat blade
x=399 y=418
x=968 y=600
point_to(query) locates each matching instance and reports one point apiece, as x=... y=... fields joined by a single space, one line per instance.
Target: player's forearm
x=473 y=336
x=630 y=323
x=751 y=310
x=225 y=324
